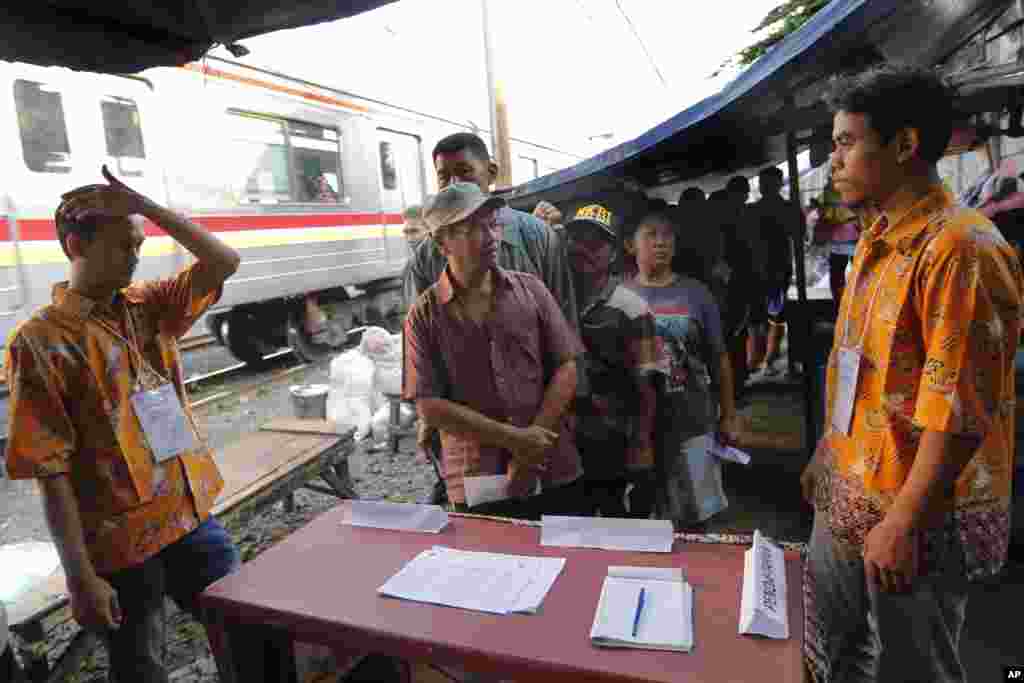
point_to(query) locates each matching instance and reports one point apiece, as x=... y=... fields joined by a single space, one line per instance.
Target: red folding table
x=320 y=584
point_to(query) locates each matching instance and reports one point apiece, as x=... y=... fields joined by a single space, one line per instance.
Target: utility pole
x=498 y=110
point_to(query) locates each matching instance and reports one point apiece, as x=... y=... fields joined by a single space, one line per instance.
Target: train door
x=401 y=181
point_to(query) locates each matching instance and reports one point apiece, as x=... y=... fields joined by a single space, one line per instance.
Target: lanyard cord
x=871 y=303
x=878 y=287
x=144 y=371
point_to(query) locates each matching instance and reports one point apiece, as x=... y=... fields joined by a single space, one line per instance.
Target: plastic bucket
x=310 y=401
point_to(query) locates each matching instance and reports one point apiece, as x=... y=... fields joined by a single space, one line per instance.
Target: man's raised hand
x=113 y=200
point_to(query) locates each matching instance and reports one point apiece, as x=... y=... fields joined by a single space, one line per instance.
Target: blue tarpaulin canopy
x=743 y=127
x=127 y=37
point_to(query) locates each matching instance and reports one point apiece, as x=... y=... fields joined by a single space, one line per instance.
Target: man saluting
x=100 y=418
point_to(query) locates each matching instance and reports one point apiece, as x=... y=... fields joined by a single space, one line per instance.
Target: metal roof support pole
x=804 y=319
x=496 y=99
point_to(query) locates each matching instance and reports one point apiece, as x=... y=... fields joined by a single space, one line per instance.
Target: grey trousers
x=854 y=634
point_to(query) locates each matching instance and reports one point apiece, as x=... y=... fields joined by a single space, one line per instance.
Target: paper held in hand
x=729 y=453
x=375 y=514
x=763 y=606
x=488 y=489
x=663 y=618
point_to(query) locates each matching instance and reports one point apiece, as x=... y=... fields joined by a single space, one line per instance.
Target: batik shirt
x=938 y=355
x=71 y=381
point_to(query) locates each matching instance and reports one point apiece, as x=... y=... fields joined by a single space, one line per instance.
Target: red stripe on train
x=45 y=229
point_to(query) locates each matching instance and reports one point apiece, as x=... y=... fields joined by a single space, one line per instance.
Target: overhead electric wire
x=640 y=40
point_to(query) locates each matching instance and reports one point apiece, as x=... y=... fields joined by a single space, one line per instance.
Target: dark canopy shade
x=126 y=37
x=743 y=127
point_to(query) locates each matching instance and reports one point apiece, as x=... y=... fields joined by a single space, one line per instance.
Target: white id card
x=163 y=421
x=847 y=373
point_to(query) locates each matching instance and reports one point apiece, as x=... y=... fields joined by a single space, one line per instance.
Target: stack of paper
x=486 y=582
x=607 y=533
x=663 y=618
x=763 y=601
x=398 y=516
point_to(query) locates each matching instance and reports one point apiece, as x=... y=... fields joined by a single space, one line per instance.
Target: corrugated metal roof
x=127 y=37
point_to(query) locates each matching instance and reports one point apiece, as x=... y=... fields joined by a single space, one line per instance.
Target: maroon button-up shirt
x=500 y=369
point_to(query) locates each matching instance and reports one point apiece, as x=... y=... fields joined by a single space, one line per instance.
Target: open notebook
x=666 y=620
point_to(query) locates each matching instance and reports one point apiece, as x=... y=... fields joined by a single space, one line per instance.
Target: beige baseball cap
x=456 y=203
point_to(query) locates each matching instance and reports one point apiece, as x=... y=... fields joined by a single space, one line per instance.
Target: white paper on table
x=488 y=489
x=607 y=533
x=666 y=622
x=485 y=582
x=730 y=453
x=398 y=516
x=540 y=573
x=763 y=606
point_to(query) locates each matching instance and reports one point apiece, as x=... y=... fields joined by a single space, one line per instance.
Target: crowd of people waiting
x=589 y=357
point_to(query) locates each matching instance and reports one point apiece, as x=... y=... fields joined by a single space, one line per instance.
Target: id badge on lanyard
x=848 y=358
x=847 y=374
x=163 y=421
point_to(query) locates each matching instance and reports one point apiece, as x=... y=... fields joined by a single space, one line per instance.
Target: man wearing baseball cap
x=491 y=363
x=615 y=408
x=525 y=243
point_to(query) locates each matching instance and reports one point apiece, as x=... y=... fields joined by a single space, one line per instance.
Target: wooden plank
x=301 y=426
x=255 y=462
x=242 y=508
x=262 y=454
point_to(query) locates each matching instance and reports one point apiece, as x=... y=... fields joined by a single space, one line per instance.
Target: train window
x=315 y=157
x=277 y=160
x=123 y=131
x=44 y=133
x=388 y=172
x=259 y=160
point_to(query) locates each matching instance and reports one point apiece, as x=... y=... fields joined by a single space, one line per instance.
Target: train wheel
x=319 y=347
x=241 y=333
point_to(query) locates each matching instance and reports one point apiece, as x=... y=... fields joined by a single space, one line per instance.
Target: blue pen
x=639 y=610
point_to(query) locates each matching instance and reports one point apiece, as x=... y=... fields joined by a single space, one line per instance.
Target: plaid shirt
x=70 y=414
x=500 y=368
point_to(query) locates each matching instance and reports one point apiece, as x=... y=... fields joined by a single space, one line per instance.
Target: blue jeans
x=180 y=571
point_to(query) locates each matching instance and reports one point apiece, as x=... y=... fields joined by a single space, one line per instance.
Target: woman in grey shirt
x=696 y=401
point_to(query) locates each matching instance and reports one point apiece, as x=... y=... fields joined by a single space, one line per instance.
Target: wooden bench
x=259 y=470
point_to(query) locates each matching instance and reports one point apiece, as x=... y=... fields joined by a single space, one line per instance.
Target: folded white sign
x=763 y=608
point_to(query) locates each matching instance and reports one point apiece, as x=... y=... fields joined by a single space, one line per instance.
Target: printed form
x=484 y=582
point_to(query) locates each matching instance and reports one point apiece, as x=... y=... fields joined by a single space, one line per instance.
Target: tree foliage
x=779 y=23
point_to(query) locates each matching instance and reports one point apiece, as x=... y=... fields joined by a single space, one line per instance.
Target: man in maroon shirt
x=490 y=362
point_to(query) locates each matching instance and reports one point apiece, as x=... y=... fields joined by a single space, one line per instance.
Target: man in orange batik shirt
x=911 y=481
x=100 y=418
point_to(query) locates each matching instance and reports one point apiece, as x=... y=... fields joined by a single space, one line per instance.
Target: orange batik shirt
x=935 y=295
x=71 y=379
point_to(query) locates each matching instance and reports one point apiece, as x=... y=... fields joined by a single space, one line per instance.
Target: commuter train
x=307 y=182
